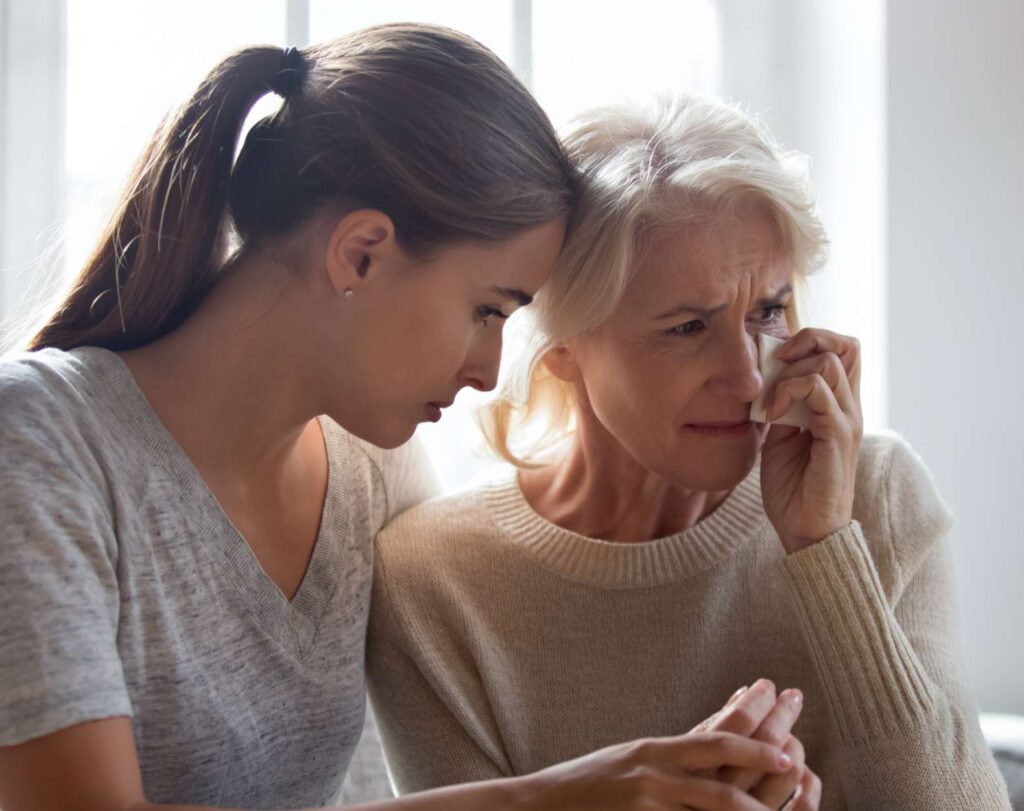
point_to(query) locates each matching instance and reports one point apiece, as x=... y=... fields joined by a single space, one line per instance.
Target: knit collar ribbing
x=608 y=564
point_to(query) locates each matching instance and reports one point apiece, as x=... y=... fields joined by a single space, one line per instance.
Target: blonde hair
x=646 y=170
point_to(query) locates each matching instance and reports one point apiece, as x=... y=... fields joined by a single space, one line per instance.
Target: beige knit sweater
x=501 y=643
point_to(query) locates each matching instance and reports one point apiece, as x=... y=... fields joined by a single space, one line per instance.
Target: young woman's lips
x=721 y=430
x=434 y=410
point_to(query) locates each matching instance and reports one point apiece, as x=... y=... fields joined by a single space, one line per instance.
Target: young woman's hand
x=655 y=774
x=807 y=477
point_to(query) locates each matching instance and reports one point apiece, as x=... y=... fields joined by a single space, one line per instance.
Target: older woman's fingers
x=774 y=730
x=709 y=723
x=775 y=789
x=743 y=713
x=813 y=341
x=830 y=368
x=808 y=795
x=817 y=394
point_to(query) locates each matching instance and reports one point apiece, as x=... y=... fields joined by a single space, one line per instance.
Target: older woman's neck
x=598 y=490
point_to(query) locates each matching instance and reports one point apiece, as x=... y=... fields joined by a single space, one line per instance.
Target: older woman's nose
x=737 y=373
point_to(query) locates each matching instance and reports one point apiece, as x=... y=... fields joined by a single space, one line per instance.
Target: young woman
x=667 y=546
x=192 y=470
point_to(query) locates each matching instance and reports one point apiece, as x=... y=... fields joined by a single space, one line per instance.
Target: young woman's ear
x=561 y=362
x=356 y=246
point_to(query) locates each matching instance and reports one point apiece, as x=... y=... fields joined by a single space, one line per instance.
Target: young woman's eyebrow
x=521 y=297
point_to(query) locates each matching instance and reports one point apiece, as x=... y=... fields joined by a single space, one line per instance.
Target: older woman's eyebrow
x=707 y=312
x=521 y=297
x=691 y=309
x=784 y=291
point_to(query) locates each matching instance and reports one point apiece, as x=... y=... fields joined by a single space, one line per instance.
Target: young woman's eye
x=486 y=313
x=688 y=330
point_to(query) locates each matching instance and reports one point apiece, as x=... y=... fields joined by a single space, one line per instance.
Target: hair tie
x=288 y=79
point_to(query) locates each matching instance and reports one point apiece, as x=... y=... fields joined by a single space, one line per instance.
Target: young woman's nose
x=480 y=370
x=738 y=373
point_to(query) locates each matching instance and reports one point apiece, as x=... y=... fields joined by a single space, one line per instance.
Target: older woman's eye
x=773 y=315
x=688 y=330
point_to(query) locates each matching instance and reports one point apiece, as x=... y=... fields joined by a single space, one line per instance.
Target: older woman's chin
x=713 y=473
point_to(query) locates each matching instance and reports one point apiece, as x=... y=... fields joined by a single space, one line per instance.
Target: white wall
x=956 y=300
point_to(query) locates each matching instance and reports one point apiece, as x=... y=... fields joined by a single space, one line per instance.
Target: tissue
x=798 y=415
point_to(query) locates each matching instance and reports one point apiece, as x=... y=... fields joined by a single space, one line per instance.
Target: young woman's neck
x=596 y=488
x=229 y=383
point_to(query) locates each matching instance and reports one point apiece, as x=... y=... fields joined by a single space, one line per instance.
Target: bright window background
x=489 y=22
x=128 y=63
x=583 y=59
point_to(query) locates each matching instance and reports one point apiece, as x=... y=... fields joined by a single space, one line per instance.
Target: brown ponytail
x=156 y=257
x=420 y=122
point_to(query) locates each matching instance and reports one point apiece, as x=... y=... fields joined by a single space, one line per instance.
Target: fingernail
x=740 y=692
x=785 y=761
x=795 y=697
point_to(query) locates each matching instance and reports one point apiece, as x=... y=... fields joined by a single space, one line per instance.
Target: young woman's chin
x=385 y=431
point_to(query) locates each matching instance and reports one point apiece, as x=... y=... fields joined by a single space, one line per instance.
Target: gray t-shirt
x=128 y=592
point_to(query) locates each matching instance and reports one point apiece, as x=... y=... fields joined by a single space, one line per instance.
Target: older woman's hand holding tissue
x=808 y=476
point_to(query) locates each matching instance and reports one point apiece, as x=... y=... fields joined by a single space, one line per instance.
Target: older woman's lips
x=721 y=430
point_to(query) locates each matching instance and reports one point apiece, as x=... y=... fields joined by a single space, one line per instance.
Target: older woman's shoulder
x=892 y=476
x=898 y=506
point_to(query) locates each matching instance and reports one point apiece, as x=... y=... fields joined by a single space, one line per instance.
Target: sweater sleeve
x=908 y=733
x=426 y=743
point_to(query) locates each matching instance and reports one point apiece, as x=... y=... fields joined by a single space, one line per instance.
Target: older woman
x=657 y=548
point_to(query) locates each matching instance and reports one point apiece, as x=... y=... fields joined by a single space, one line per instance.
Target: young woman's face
x=424 y=330
x=670 y=377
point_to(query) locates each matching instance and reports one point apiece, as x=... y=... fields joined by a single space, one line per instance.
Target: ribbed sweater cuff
x=874 y=681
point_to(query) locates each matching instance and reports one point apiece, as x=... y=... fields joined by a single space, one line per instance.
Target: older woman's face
x=671 y=375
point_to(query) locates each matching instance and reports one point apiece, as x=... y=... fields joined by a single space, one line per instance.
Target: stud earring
x=349 y=292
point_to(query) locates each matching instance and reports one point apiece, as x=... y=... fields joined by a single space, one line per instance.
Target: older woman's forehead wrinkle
x=740 y=270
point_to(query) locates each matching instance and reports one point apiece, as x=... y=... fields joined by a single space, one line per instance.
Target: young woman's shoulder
x=898 y=506
x=440 y=530
x=388 y=481
x=46 y=382
x=59 y=554
x=52 y=409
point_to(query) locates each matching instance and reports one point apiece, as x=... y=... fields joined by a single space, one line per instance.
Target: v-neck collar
x=293 y=623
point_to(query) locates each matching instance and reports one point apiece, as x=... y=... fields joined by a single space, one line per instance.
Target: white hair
x=646 y=170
